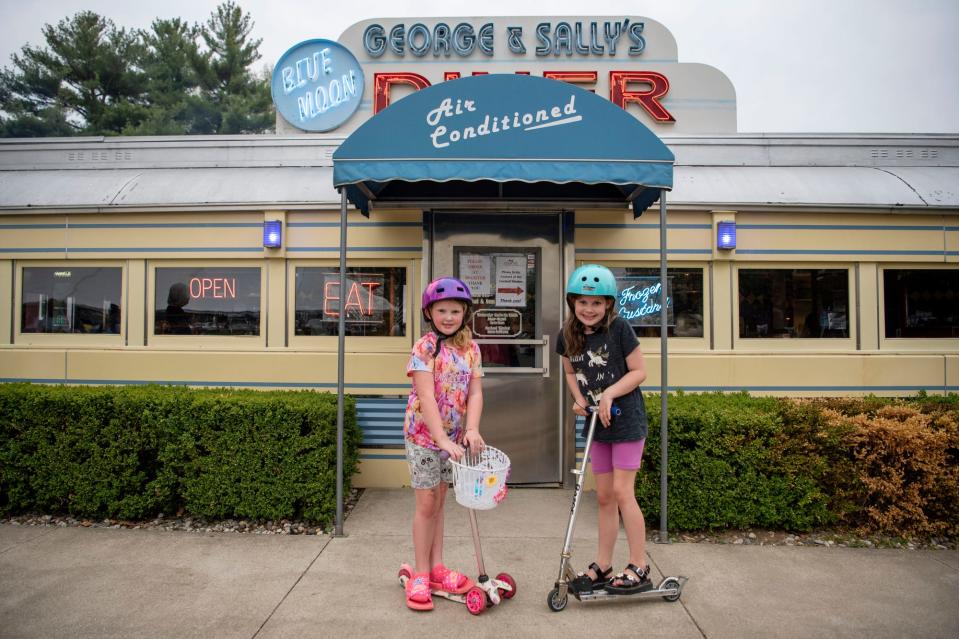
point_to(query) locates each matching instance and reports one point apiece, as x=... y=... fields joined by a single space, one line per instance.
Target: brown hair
x=574 y=331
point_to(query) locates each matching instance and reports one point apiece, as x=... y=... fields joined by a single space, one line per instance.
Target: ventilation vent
x=905 y=154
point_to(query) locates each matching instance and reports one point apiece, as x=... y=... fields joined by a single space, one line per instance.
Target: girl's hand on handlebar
x=474 y=440
x=605 y=410
x=579 y=409
x=454 y=450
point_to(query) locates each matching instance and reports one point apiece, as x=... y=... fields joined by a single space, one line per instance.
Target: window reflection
x=790 y=303
x=374 y=301
x=639 y=300
x=207 y=301
x=921 y=302
x=71 y=299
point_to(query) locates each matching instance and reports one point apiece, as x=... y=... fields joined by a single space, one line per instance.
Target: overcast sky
x=806 y=66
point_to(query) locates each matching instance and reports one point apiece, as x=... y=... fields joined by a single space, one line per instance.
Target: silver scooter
x=669 y=588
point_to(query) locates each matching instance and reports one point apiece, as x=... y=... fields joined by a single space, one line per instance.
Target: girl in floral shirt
x=442 y=415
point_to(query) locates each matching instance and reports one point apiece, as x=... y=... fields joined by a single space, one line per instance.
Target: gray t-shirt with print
x=602 y=364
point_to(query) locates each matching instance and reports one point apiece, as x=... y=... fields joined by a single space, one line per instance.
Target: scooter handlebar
x=615 y=410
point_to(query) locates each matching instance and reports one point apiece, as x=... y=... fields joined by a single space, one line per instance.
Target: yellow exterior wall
x=6 y=293
x=863 y=243
x=382 y=467
x=33 y=236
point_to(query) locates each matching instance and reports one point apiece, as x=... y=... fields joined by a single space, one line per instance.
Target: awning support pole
x=340 y=369
x=664 y=371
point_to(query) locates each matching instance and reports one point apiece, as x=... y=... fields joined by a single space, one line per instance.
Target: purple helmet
x=446 y=288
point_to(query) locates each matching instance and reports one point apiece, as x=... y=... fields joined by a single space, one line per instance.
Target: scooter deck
x=669 y=589
x=495 y=590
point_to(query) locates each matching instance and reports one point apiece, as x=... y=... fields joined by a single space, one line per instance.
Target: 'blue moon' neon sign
x=317 y=85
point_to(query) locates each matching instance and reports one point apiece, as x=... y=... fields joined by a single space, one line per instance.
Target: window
x=71 y=299
x=374 y=301
x=207 y=301
x=639 y=300
x=810 y=303
x=502 y=281
x=921 y=302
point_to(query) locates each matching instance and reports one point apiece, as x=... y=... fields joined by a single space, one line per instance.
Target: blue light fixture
x=726 y=235
x=272 y=233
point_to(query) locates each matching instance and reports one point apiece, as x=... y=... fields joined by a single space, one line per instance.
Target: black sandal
x=584 y=583
x=628 y=584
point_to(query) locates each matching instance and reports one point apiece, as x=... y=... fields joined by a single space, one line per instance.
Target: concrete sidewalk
x=86 y=582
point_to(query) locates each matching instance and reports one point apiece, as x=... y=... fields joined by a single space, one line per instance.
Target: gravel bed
x=752 y=537
x=825 y=538
x=189 y=524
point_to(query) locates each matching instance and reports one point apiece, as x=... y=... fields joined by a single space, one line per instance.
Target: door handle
x=516 y=370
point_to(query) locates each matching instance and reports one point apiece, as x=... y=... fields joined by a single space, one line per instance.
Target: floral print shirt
x=452 y=371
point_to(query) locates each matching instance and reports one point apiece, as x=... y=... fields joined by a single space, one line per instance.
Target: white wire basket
x=479 y=479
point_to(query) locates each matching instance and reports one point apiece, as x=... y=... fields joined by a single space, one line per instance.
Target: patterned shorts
x=426 y=468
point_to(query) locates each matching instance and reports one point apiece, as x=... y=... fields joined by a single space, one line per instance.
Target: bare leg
x=424 y=527
x=608 y=519
x=436 y=552
x=625 y=495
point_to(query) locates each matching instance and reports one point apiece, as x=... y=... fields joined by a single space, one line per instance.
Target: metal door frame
x=563 y=217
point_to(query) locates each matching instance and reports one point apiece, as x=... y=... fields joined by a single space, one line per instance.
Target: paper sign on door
x=475 y=271
x=511 y=280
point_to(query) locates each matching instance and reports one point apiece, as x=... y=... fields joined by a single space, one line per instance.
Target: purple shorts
x=604 y=457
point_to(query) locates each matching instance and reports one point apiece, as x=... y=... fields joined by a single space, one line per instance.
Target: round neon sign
x=317 y=85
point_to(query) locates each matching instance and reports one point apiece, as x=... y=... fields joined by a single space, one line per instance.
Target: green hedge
x=875 y=464
x=879 y=465
x=733 y=462
x=133 y=452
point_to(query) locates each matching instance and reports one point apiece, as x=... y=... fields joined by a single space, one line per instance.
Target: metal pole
x=340 y=368
x=664 y=370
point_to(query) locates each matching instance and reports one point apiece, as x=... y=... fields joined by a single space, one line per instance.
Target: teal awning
x=503 y=137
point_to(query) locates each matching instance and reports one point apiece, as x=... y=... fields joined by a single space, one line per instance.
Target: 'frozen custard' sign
x=640 y=300
x=483 y=124
x=317 y=85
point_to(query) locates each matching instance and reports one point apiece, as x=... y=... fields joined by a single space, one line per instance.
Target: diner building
x=798 y=264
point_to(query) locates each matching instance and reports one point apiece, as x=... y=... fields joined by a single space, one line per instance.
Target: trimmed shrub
x=132 y=452
x=903 y=454
x=735 y=461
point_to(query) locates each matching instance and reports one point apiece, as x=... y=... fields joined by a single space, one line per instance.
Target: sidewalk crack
x=295 y=584
x=680 y=600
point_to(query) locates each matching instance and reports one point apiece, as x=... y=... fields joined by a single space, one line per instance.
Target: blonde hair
x=463 y=338
x=574 y=331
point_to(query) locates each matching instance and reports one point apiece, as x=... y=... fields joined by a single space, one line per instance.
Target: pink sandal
x=418 y=595
x=455 y=583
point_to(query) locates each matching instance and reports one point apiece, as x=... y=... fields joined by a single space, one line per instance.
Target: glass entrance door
x=512 y=265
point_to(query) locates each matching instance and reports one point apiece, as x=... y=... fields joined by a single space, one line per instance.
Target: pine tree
x=95 y=79
x=240 y=98
x=169 y=60
x=86 y=80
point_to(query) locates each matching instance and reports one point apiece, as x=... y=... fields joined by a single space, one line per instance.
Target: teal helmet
x=592 y=279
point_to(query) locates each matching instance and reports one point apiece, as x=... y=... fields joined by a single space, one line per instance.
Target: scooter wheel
x=507 y=594
x=554 y=601
x=475 y=601
x=404 y=576
x=671 y=583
